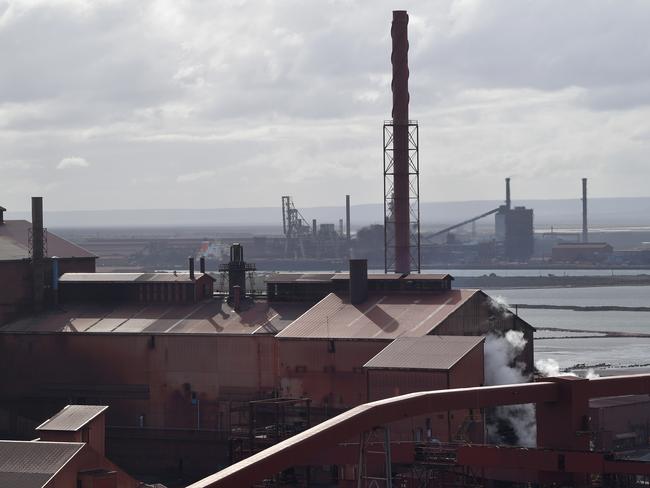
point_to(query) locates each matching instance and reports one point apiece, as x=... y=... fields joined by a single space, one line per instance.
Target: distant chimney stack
x=508 y=203
x=38 y=253
x=2 y=215
x=358 y=281
x=202 y=264
x=314 y=227
x=585 y=229
x=347 y=217
x=191 y=266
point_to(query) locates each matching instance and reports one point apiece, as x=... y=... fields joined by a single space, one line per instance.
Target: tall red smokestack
x=400 y=86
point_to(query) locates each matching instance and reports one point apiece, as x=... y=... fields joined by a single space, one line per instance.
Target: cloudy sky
x=202 y=104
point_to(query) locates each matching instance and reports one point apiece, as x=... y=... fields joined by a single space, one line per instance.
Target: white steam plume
x=550 y=367
x=501 y=368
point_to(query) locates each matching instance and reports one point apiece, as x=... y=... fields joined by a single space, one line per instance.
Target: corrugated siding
x=387 y=383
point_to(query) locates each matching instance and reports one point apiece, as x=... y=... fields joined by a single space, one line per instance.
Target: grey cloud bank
x=210 y=104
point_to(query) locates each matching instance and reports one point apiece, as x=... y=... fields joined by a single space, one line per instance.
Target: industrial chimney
x=38 y=253
x=585 y=230
x=399 y=60
x=347 y=217
x=191 y=266
x=508 y=203
x=358 y=281
x=2 y=215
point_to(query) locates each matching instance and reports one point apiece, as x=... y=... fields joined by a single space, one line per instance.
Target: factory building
x=69 y=452
x=28 y=263
x=312 y=287
x=412 y=364
x=323 y=352
x=580 y=252
x=186 y=369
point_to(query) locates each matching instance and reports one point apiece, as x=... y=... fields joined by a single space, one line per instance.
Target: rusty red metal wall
x=468 y=371
x=478 y=317
x=117 y=370
x=608 y=422
x=328 y=371
x=15 y=292
x=445 y=426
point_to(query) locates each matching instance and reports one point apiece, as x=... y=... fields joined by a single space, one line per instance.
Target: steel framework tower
x=401 y=165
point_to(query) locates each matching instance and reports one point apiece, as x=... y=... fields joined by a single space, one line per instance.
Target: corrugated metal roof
x=428 y=352
x=379 y=317
x=397 y=277
x=618 y=401
x=14 y=243
x=213 y=316
x=72 y=418
x=25 y=464
x=328 y=277
x=129 y=277
x=300 y=278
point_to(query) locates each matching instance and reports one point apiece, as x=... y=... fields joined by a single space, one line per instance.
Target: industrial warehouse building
x=16 y=238
x=69 y=452
x=179 y=372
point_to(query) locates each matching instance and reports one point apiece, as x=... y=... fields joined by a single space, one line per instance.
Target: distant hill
x=603 y=212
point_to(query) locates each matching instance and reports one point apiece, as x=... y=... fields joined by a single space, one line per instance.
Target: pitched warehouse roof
x=72 y=418
x=14 y=243
x=428 y=352
x=29 y=464
x=212 y=316
x=329 y=277
x=379 y=317
x=130 y=277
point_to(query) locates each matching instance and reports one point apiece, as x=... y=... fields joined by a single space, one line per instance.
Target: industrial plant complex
x=369 y=373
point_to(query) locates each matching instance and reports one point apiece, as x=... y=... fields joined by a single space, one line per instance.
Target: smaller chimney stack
x=236 y=298
x=191 y=265
x=55 y=281
x=358 y=281
x=38 y=253
x=314 y=227
x=202 y=264
x=341 y=227
x=2 y=215
x=585 y=229
x=508 y=203
x=347 y=217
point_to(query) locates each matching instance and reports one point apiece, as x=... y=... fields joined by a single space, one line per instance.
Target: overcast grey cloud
x=234 y=103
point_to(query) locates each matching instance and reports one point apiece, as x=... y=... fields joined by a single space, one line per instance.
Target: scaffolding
x=259 y=424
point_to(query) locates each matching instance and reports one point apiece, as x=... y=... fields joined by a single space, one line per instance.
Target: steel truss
x=389 y=196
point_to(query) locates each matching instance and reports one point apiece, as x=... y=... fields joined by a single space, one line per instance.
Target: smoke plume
x=550 y=367
x=511 y=424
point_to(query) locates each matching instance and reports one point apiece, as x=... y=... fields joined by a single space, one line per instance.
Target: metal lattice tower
x=295 y=228
x=413 y=197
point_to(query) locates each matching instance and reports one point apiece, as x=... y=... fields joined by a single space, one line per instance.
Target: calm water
x=618 y=352
x=537 y=272
x=622 y=296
